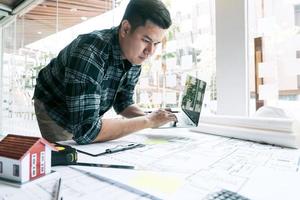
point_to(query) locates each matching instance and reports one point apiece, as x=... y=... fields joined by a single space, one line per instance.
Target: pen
x=57 y=195
x=172 y=111
x=105 y=165
x=123 y=148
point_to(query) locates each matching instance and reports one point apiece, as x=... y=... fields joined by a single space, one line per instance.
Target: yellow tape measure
x=65 y=155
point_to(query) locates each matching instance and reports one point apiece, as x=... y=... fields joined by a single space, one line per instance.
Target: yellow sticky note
x=156 y=141
x=157 y=182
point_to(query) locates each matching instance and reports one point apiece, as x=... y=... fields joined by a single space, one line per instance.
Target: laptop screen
x=192 y=98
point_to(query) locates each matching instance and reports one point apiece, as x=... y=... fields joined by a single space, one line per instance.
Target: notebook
x=191 y=104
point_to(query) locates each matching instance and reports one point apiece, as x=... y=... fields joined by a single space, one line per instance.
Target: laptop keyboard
x=183 y=122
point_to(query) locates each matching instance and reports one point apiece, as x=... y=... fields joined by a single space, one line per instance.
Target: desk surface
x=176 y=164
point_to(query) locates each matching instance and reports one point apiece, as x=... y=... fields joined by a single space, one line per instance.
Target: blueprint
x=202 y=163
x=176 y=164
x=75 y=185
x=188 y=152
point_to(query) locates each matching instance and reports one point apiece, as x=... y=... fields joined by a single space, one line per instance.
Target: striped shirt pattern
x=84 y=81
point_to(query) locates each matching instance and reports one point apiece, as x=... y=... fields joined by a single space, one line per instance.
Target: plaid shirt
x=84 y=81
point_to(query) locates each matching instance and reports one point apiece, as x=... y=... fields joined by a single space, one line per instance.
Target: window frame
x=33 y=164
x=1 y=167
x=42 y=162
x=16 y=170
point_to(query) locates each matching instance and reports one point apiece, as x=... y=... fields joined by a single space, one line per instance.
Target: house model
x=24 y=158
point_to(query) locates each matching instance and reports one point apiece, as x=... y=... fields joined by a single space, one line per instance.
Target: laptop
x=191 y=104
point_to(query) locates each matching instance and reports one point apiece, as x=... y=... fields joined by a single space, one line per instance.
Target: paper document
x=75 y=186
x=188 y=165
x=98 y=149
x=263 y=136
x=157 y=185
x=266 y=183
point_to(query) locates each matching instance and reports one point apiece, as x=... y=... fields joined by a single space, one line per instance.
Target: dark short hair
x=139 y=11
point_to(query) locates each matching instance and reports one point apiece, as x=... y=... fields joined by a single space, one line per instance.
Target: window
x=189 y=48
x=33 y=171
x=33 y=38
x=42 y=162
x=16 y=170
x=33 y=165
x=1 y=167
x=275 y=78
x=22 y=57
x=33 y=159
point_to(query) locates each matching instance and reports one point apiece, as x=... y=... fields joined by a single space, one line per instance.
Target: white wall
x=231 y=57
x=1 y=75
x=8 y=169
x=47 y=160
x=24 y=171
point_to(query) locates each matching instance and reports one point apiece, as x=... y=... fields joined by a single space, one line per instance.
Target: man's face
x=137 y=46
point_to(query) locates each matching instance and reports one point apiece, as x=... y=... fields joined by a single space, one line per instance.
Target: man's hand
x=160 y=117
x=115 y=128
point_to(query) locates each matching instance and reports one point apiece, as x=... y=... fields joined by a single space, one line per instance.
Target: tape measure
x=66 y=155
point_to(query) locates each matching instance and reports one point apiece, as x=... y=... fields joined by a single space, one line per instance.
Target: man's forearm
x=132 y=111
x=115 y=128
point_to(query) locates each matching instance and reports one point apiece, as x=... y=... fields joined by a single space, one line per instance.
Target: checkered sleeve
x=82 y=94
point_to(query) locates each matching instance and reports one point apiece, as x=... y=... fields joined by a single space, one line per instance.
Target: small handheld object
x=58 y=191
x=105 y=165
x=65 y=155
x=123 y=147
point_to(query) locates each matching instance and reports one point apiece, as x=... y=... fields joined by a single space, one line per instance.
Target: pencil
x=105 y=165
x=57 y=195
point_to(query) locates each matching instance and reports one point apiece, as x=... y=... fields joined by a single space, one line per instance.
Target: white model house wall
x=7 y=169
x=24 y=170
x=47 y=160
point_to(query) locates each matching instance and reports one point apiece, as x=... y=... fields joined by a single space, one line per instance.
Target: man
x=98 y=71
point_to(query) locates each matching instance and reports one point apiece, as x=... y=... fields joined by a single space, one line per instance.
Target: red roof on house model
x=16 y=146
